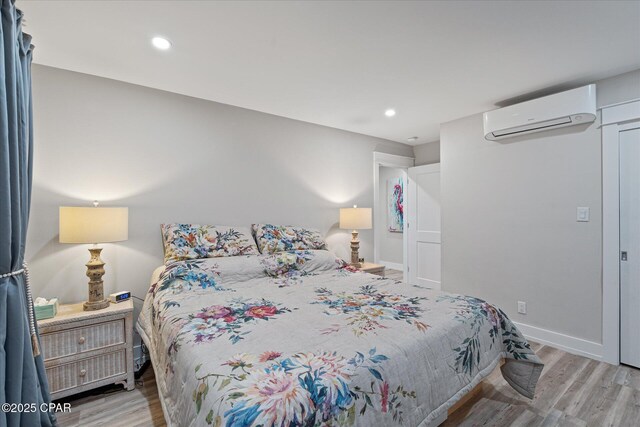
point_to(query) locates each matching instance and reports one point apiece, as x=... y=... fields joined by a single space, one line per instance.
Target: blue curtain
x=22 y=375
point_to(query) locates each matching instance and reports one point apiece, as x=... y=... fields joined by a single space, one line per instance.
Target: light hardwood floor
x=393 y=274
x=572 y=391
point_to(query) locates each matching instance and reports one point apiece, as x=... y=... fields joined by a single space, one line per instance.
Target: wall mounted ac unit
x=573 y=107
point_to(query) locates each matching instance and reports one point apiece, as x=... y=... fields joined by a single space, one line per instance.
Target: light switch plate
x=582 y=214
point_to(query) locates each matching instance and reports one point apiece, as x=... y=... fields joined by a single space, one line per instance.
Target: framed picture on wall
x=395 y=211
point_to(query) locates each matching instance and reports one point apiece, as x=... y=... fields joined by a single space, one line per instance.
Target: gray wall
x=427 y=153
x=172 y=158
x=390 y=244
x=509 y=230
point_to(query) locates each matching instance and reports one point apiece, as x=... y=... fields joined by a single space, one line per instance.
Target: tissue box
x=46 y=311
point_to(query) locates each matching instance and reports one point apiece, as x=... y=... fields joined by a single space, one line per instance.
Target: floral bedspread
x=299 y=339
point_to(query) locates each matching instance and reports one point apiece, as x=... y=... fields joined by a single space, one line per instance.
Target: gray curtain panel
x=22 y=375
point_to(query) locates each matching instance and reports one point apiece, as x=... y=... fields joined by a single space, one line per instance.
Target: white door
x=630 y=247
x=423 y=226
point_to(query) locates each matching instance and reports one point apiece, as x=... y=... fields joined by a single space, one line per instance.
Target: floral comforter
x=299 y=339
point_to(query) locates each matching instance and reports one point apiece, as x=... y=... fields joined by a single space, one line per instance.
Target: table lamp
x=94 y=225
x=355 y=219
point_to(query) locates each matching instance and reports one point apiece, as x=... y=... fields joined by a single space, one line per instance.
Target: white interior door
x=630 y=247
x=423 y=226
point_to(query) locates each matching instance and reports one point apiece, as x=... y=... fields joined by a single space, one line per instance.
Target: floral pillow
x=299 y=262
x=279 y=238
x=192 y=241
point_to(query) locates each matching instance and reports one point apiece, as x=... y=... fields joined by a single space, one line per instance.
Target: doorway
x=620 y=124
x=387 y=169
x=391 y=215
x=629 y=141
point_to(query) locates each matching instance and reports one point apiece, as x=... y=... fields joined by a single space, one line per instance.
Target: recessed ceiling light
x=412 y=139
x=161 y=43
x=390 y=112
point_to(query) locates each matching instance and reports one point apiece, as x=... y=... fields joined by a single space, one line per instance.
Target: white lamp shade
x=93 y=225
x=355 y=218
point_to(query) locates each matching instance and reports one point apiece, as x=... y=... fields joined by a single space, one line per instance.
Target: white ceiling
x=341 y=64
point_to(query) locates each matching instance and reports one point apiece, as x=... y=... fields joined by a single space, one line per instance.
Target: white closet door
x=423 y=226
x=630 y=247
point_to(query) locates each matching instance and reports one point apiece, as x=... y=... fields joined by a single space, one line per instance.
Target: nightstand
x=371 y=268
x=83 y=350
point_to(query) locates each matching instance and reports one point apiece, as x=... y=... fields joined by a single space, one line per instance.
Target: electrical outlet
x=522 y=307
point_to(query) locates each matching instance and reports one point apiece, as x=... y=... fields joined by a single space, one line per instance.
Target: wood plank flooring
x=572 y=391
x=393 y=274
x=113 y=406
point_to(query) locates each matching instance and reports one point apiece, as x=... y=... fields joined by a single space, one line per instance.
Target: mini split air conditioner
x=573 y=107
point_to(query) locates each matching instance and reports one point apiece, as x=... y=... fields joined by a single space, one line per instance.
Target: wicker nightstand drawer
x=83 y=350
x=79 y=340
x=86 y=371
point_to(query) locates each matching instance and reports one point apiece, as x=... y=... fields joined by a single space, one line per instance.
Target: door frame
x=393 y=161
x=615 y=118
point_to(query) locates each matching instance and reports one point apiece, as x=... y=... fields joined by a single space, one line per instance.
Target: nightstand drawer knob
x=81 y=340
x=83 y=372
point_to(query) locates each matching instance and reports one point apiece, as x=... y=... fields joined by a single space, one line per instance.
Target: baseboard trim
x=560 y=341
x=392 y=265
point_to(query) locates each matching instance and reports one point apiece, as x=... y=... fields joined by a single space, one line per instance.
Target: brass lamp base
x=355 y=245
x=95 y=271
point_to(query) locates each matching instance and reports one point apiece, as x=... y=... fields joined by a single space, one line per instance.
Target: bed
x=299 y=338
